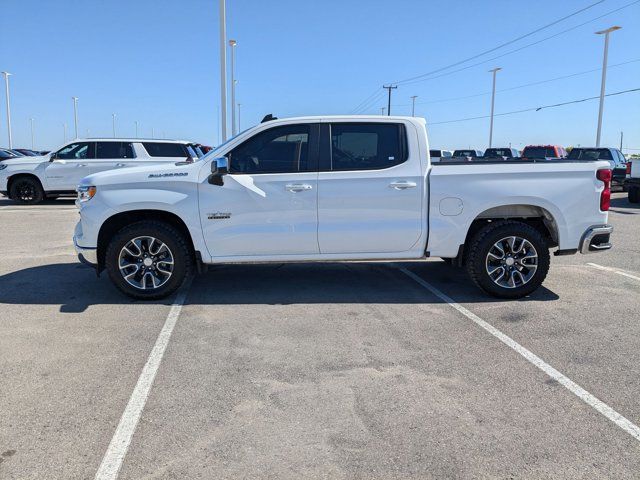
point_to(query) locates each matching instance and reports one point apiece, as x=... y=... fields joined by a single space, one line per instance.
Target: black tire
x=177 y=245
x=485 y=239
x=634 y=194
x=27 y=190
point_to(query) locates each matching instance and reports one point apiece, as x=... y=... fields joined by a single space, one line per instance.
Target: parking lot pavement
x=336 y=370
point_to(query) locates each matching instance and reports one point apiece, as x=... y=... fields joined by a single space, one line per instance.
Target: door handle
x=298 y=187
x=402 y=185
x=121 y=164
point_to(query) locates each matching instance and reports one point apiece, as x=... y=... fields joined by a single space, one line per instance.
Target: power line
x=536 y=109
x=519 y=48
x=520 y=86
x=555 y=22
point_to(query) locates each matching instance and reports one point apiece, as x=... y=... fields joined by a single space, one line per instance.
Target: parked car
x=6 y=154
x=467 y=155
x=546 y=152
x=500 y=153
x=27 y=152
x=32 y=179
x=437 y=155
x=339 y=188
x=614 y=156
x=633 y=180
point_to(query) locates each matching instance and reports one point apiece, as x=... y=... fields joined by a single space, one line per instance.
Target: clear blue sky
x=156 y=61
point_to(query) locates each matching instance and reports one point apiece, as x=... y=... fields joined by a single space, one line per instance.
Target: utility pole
x=413 y=105
x=153 y=133
x=223 y=69
x=493 y=101
x=31 y=122
x=604 y=77
x=64 y=132
x=75 y=114
x=136 y=122
x=389 y=88
x=382 y=109
x=6 y=86
x=232 y=44
x=113 y=120
x=621 y=137
x=239 y=105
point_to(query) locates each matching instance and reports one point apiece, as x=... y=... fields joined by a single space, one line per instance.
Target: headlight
x=86 y=192
x=2 y=166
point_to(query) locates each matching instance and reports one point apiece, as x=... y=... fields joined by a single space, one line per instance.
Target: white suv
x=32 y=179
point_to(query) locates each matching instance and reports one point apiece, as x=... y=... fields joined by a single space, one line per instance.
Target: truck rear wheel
x=508 y=259
x=26 y=189
x=148 y=260
x=634 y=194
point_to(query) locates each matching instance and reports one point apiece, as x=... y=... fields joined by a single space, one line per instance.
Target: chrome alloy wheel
x=512 y=262
x=145 y=263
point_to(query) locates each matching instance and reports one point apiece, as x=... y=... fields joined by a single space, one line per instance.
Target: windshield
x=539 y=152
x=214 y=151
x=464 y=153
x=498 y=152
x=590 y=154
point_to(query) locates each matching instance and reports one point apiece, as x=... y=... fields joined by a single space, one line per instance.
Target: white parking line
x=574 y=388
x=613 y=270
x=114 y=456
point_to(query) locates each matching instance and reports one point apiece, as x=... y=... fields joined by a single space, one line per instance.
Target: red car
x=544 y=151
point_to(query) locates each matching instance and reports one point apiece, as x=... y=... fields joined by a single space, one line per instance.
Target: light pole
x=232 y=44
x=239 y=105
x=6 y=86
x=113 y=121
x=31 y=122
x=153 y=133
x=64 y=132
x=413 y=105
x=604 y=77
x=223 y=70
x=493 y=101
x=75 y=114
x=382 y=109
x=136 y=122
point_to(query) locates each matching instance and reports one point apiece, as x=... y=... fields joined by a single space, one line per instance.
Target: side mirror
x=219 y=168
x=52 y=157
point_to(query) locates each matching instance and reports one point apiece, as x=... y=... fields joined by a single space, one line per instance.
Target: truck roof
x=128 y=139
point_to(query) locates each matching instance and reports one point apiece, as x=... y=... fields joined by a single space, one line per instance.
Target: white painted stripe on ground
x=114 y=456
x=614 y=270
x=569 y=384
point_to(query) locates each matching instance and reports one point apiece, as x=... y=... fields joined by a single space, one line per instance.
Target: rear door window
x=162 y=149
x=367 y=146
x=114 y=150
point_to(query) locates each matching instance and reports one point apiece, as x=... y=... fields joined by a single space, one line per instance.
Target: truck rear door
x=370 y=188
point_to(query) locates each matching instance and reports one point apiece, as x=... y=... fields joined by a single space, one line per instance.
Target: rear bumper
x=596 y=239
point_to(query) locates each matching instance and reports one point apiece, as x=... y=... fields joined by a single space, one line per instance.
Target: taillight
x=605 y=196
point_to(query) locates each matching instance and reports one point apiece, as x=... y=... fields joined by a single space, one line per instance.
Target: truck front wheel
x=634 y=194
x=508 y=259
x=148 y=260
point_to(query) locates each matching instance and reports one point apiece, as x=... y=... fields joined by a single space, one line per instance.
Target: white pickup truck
x=339 y=188
x=32 y=179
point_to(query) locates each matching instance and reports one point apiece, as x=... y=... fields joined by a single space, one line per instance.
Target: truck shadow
x=75 y=287
x=623 y=202
x=66 y=201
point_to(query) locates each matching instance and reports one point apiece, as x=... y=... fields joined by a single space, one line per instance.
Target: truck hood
x=147 y=173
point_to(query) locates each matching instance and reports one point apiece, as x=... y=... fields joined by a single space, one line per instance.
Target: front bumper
x=86 y=255
x=596 y=239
